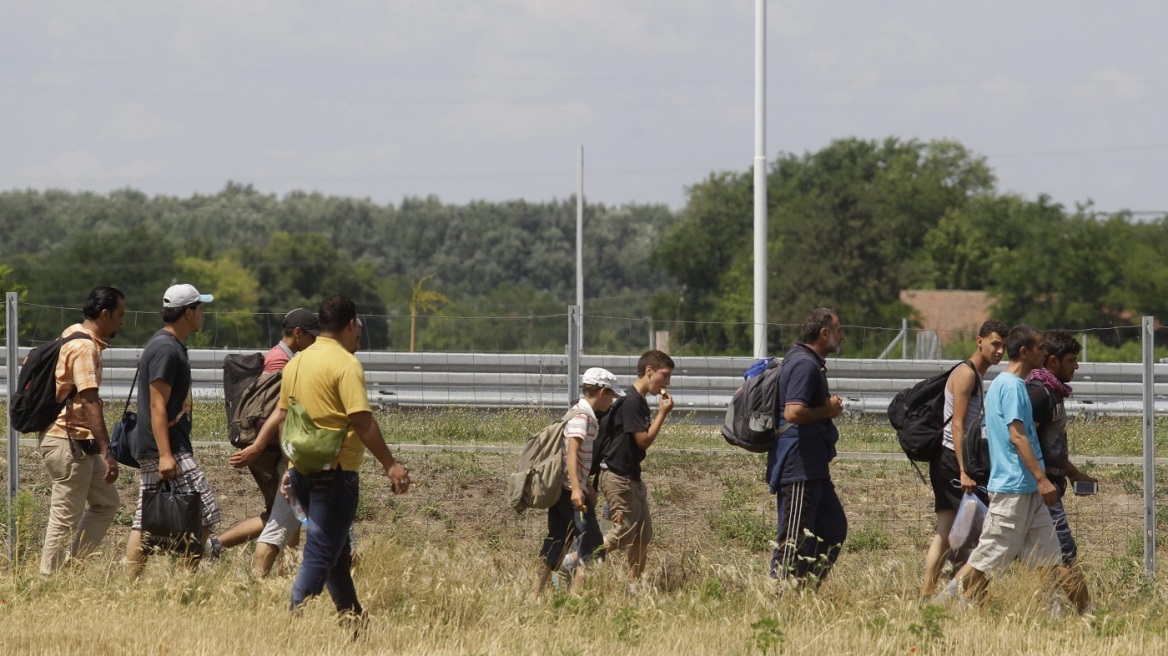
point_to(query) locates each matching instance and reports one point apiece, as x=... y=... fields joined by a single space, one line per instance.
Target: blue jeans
x=564 y=524
x=1062 y=529
x=329 y=499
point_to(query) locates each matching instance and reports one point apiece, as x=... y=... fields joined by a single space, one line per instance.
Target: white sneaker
x=570 y=562
x=951 y=593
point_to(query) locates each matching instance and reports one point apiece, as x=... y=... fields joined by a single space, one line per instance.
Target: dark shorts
x=943 y=471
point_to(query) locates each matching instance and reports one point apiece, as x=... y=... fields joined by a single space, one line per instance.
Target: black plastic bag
x=173 y=521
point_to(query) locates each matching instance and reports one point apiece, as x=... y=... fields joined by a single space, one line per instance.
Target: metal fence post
x=904 y=339
x=573 y=354
x=12 y=335
x=1147 y=337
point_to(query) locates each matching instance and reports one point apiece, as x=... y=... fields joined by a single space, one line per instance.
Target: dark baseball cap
x=302 y=319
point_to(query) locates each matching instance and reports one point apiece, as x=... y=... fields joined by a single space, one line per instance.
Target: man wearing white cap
x=575 y=513
x=162 y=440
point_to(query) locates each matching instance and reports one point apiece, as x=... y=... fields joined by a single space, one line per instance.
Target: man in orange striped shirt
x=75 y=448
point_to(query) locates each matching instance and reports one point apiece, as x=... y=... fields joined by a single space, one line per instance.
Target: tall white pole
x=760 y=190
x=580 y=246
x=12 y=333
x=1148 y=341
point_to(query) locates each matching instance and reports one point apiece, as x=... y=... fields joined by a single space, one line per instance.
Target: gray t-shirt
x=165 y=359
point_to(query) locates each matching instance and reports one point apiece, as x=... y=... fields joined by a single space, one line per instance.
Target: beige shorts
x=628 y=501
x=1016 y=526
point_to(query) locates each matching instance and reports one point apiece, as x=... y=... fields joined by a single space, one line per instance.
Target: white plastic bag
x=966 y=527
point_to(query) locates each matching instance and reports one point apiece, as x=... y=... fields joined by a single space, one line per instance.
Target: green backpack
x=538 y=480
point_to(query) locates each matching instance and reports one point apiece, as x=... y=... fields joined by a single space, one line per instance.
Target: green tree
x=423 y=300
x=8 y=284
x=299 y=270
x=231 y=319
x=846 y=226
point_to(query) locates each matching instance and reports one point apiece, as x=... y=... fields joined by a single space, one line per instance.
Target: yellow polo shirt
x=330 y=383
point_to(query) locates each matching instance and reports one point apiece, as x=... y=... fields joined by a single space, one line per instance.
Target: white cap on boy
x=177 y=296
x=602 y=378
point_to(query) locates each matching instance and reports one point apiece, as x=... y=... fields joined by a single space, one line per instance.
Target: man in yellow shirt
x=329 y=382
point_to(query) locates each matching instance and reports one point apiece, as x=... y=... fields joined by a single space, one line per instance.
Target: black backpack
x=239 y=371
x=752 y=420
x=975 y=451
x=917 y=414
x=35 y=406
x=610 y=429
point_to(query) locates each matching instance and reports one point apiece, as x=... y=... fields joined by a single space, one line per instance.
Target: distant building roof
x=948 y=310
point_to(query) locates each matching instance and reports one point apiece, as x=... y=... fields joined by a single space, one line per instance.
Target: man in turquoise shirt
x=1018 y=524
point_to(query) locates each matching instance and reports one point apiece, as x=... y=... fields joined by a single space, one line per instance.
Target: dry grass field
x=445 y=569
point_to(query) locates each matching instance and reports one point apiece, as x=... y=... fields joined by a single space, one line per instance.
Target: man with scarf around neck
x=1018 y=524
x=1048 y=389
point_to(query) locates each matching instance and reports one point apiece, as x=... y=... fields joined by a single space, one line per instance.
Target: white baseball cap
x=602 y=378
x=177 y=296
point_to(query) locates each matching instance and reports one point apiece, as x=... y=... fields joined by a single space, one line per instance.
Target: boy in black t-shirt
x=620 y=473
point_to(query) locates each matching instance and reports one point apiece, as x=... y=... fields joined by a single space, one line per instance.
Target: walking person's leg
x=830 y=529
x=340 y=585
x=795 y=551
x=330 y=502
x=103 y=501
x=63 y=463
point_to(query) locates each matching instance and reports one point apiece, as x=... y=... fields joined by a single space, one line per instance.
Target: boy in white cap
x=575 y=513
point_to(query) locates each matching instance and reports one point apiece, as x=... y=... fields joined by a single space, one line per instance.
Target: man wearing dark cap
x=300 y=331
x=264 y=460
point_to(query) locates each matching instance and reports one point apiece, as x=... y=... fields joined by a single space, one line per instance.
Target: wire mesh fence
x=520 y=362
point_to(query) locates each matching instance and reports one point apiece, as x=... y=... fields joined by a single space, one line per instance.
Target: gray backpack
x=257 y=402
x=539 y=475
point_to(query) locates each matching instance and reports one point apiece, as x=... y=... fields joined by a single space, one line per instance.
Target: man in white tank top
x=963 y=402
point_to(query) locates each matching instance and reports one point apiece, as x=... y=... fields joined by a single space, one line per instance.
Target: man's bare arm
x=91 y=411
x=963 y=379
x=797 y=413
x=268 y=432
x=159 y=395
x=370 y=434
x=1030 y=461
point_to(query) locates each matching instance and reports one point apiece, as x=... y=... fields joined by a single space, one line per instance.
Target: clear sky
x=489 y=99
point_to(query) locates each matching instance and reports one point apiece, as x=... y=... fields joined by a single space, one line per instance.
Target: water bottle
x=297 y=509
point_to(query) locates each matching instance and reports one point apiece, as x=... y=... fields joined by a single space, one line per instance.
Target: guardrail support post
x=12 y=335
x=1147 y=338
x=574 y=312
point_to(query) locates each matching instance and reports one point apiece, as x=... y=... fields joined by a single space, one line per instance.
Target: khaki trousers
x=76 y=480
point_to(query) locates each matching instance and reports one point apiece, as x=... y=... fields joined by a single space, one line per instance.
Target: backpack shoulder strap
x=977 y=391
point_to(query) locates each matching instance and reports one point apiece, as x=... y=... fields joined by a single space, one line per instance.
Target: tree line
x=849 y=226
x=262 y=255
x=853 y=224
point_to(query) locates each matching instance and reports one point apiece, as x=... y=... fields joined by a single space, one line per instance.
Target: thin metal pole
x=580 y=243
x=760 y=182
x=573 y=354
x=904 y=339
x=1149 y=417
x=1084 y=353
x=12 y=336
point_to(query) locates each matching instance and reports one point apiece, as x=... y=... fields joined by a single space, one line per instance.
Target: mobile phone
x=1084 y=488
